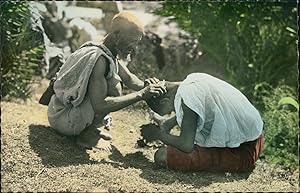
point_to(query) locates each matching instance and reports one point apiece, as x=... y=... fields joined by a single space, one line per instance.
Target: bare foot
x=104 y=145
x=104 y=135
x=92 y=137
x=88 y=138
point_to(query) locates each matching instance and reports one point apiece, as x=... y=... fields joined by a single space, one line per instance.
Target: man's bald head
x=126 y=21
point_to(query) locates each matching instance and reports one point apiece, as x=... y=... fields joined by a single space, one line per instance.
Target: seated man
x=220 y=130
x=88 y=85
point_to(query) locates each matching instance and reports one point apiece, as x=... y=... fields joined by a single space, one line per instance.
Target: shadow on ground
x=56 y=150
x=154 y=174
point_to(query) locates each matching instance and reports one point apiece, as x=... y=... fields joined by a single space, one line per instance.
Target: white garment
x=225 y=116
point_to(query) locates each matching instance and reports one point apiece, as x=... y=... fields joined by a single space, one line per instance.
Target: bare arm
x=166 y=124
x=97 y=91
x=183 y=142
x=130 y=79
x=169 y=124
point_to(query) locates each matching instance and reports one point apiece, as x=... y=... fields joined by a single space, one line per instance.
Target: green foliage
x=19 y=50
x=281 y=126
x=256 y=42
x=288 y=101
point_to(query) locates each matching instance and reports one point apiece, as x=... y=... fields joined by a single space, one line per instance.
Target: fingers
x=153 y=90
x=147 y=82
x=107 y=148
x=104 y=145
x=157 y=90
x=153 y=80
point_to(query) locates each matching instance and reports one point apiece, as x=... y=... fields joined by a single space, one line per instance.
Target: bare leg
x=99 y=121
x=160 y=157
x=90 y=138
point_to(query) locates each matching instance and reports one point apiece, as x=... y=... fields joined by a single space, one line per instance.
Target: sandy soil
x=35 y=158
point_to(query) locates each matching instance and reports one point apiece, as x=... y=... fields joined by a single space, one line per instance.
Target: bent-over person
x=220 y=130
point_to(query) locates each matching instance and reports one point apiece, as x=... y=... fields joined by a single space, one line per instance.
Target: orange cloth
x=240 y=159
x=126 y=21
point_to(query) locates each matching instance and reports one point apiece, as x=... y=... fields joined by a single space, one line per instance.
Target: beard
x=124 y=55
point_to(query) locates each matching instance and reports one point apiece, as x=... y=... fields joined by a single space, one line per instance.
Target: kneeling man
x=220 y=130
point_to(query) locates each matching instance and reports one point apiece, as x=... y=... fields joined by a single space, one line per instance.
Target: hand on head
x=153 y=89
x=152 y=80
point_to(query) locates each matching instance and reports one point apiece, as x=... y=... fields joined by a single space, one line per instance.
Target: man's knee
x=160 y=157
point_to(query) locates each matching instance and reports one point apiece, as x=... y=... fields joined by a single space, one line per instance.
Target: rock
x=72 y=12
x=83 y=31
x=53 y=56
x=57 y=30
x=168 y=52
x=106 y=6
x=109 y=9
x=62 y=34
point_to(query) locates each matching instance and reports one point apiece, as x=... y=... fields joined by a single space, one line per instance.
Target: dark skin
x=106 y=94
x=183 y=142
x=104 y=104
x=165 y=124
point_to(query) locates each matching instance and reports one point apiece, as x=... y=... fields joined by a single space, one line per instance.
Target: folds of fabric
x=225 y=116
x=70 y=110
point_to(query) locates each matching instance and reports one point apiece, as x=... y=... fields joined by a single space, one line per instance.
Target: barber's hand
x=150 y=132
x=152 y=80
x=152 y=90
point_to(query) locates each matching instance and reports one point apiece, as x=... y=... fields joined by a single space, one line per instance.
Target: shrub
x=281 y=125
x=256 y=42
x=20 y=52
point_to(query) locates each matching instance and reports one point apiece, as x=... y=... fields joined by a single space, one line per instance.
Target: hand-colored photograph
x=149 y=96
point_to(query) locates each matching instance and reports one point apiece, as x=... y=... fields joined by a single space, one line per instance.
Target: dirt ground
x=35 y=158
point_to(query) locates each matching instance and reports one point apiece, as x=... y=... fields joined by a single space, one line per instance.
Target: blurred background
x=253 y=46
